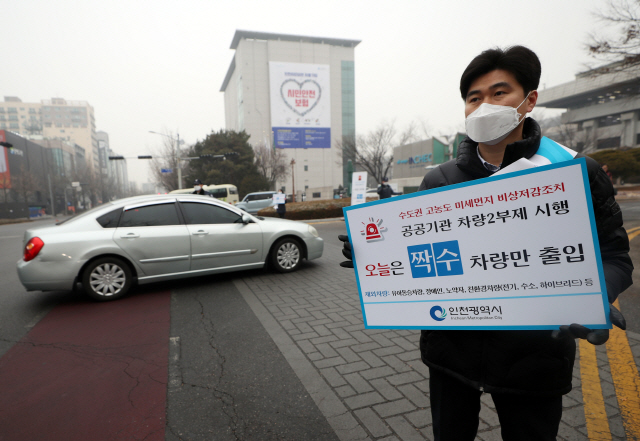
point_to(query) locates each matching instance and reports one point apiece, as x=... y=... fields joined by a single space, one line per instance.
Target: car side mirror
x=246 y=219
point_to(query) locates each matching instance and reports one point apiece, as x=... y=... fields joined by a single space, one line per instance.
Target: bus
x=225 y=192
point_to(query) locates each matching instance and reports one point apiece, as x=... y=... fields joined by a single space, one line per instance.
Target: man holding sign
x=526 y=371
x=279 y=199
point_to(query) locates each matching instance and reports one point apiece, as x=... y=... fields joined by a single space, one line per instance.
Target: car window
x=218 y=192
x=208 y=214
x=267 y=196
x=150 y=216
x=233 y=191
x=110 y=220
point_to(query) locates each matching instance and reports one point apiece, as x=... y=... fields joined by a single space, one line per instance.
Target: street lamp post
x=293 y=181
x=177 y=156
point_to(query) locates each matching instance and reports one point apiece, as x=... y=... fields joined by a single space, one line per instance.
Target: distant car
x=224 y=192
x=372 y=193
x=254 y=202
x=152 y=238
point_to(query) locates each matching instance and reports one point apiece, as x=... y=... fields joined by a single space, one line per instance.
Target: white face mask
x=489 y=123
x=198 y=187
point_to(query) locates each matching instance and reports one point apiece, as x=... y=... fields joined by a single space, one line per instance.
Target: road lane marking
x=175 y=375
x=625 y=379
x=594 y=410
x=37 y=318
x=634 y=234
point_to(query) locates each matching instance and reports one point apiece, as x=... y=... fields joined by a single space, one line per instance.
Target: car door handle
x=130 y=236
x=200 y=233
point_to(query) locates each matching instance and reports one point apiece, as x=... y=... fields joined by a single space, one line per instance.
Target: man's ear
x=531 y=101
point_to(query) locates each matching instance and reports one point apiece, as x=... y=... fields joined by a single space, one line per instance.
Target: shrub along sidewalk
x=323 y=209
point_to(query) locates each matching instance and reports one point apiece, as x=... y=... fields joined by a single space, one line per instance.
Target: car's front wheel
x=286 y=255
x=107 y=278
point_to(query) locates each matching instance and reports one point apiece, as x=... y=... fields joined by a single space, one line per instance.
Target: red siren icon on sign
x=373 y=230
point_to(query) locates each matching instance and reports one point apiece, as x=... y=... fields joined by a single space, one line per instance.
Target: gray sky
x=158 y=65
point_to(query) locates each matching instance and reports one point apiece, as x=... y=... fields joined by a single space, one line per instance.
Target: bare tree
x=271 y=163
x=5 y=183
x=26 y=183
x=165 y=157
x=618 y=42
x=373 y=152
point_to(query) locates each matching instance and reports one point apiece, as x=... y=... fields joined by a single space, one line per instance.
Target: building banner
x=515 y=251
x=300 y=105
x=359 y=188
x=5 y=174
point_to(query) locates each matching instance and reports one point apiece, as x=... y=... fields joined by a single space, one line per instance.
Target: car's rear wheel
x=107 y=278
x=286 y=255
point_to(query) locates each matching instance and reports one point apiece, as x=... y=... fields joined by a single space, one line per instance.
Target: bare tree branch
x=618 y=41
x=271 y=163
x=373 y=152
x=165 y=158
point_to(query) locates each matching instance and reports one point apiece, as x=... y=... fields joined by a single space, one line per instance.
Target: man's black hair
x=520 y=61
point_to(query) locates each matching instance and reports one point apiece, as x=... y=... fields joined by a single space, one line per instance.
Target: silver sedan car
x=146 y=239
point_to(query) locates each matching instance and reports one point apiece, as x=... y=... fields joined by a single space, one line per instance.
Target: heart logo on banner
x=292 y=90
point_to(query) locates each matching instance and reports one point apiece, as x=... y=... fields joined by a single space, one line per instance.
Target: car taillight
x=32 y=249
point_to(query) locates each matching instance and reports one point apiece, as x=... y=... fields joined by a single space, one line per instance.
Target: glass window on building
x=609 y=143
x=609 y=120
x=14 y=126
x=1 y=109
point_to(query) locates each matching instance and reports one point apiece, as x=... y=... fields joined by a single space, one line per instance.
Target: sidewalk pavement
x=372 y=385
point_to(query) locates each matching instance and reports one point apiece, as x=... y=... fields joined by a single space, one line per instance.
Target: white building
x=297 y=93
x=602 y=109
x=56 y=118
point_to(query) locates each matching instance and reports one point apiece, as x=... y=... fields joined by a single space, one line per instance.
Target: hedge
x=323 y=209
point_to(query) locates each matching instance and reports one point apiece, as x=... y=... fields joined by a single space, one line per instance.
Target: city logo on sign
x=373 y=230
x=294 y=92
x=418 y=159
x=435 y=260
x=437 y=313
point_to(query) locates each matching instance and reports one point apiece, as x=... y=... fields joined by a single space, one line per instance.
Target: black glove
x=346 y=252
x=593 y=336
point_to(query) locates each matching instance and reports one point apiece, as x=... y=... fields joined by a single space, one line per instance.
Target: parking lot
x=253 y=355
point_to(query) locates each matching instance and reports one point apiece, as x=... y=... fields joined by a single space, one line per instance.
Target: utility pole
x=293 y=181
x=179 y=165
x=53 y=202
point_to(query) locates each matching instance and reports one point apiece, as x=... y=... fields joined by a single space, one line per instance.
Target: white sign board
x=279 y=198
x=75 y=184
x=516 y=251
x=300 y=105
x=359 y=188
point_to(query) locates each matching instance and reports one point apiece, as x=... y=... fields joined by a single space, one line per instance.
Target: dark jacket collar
x=468 y=161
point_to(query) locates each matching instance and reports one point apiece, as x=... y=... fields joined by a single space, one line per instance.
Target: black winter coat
x=385 y=191
x=523 y=362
